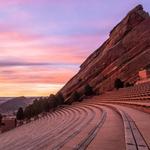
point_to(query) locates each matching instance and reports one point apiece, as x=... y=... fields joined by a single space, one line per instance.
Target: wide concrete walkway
x=111 y=135
x=142 y=120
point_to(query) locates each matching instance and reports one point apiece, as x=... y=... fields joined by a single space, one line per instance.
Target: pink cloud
x=39 y=48
x=28 y=89
x=21 y=2
x=35 y=75
x=13 y=2
x=36 y=48
x=16 y=36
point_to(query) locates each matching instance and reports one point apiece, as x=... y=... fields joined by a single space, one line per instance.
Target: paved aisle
x=141 y=119
x=111 y=135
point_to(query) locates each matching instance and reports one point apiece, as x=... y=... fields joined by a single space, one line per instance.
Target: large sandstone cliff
x=126 y=51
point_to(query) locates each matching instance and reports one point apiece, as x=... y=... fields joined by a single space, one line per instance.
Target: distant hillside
x=14 y=103
x=4 y=99
x=122 y=55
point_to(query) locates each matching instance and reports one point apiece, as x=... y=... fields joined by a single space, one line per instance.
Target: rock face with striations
x=121 y=56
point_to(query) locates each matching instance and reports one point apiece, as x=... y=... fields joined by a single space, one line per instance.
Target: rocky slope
x=122 y=55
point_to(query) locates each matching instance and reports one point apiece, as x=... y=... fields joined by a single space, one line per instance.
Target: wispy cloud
x=10 y=63
x=43 y=42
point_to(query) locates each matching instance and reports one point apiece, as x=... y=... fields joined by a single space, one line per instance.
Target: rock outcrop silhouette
x=122 y=55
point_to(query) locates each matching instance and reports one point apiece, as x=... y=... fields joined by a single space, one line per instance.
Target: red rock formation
x=125 y=52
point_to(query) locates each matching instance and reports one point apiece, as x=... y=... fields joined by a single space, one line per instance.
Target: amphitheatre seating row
x=134 y=103
x=57 y=130
x=137 y=97
x=65 y=133
x=82 y=140
x=43 y=127
x=137 y=92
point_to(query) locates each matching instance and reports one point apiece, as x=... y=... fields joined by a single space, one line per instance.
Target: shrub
x=88 y=90
x=118 y=84
x=75 y=96
x=79 y=80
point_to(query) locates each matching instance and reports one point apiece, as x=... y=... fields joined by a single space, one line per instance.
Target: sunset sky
x=43 y=42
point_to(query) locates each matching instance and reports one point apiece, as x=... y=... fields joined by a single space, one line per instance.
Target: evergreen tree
x=46 y=105
x=54 y=100
x=1 y=117
x=60 y=98
x=20 y=114
x=28 y=112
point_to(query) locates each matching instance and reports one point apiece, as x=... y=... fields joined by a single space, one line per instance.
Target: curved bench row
x=35 y=129
x=20 y=133
x=90 y=129
x=55 y=130
x=137 y=92
x=91 y=135
x=62 y=133
x=30 y=128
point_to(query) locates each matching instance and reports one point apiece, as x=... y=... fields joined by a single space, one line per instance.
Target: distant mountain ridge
x=4 y=99
x=13 y=104
x=122 y=55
